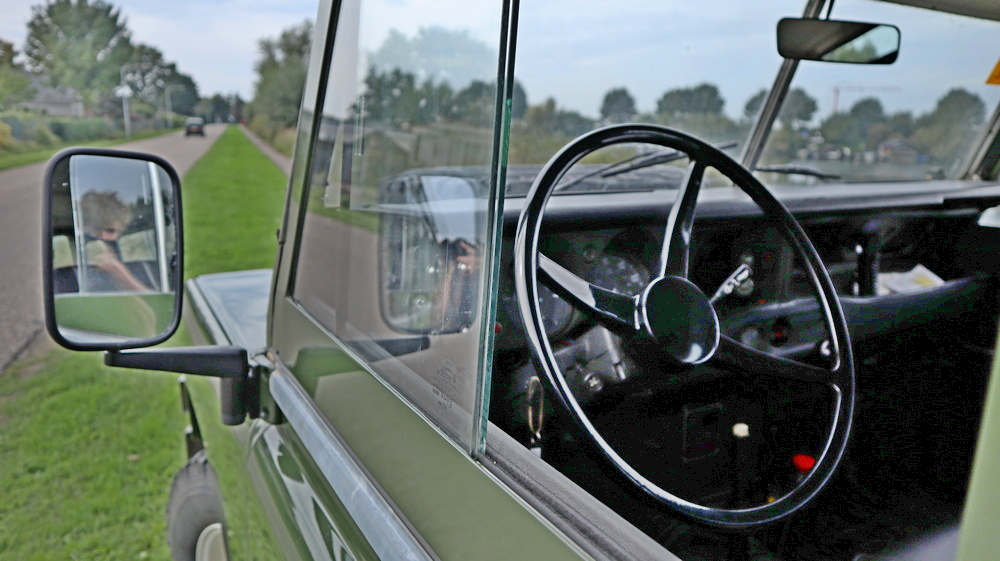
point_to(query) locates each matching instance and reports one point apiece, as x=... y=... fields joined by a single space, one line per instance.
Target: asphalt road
x=21 y=316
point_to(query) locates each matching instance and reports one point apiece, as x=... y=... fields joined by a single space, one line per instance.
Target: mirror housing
x=826 y=40
x=111 y=249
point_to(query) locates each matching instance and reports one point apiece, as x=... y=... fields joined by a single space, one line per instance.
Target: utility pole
x=126 y=93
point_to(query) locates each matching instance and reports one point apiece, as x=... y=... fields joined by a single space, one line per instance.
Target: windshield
x=582 y=65
x=915 y=119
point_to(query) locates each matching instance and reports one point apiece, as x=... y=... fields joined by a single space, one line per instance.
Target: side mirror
x=111 y=249
x=838 y=41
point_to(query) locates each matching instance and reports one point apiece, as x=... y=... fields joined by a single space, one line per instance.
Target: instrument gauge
x=619 y=273
x=556 y=311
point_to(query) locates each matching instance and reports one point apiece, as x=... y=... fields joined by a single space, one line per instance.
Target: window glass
x=583 y=65
x=915 y=119
x=398 y=200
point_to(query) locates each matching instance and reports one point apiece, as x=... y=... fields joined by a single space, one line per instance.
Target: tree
x=79 y=44
x=942 y=133
x=753 y=105
x=392 y=98
x=547 y=118
x=183 y=92
x=281 y=74
x=703 y=99
x=236 y=105
x=798 y=106
x=518 y=101
x=437 y=54
x=959 y=107
x=474 y=104
x=618 y=106
x=863 y=127
x=147 y=73
x=15 y=84
x=218 y=108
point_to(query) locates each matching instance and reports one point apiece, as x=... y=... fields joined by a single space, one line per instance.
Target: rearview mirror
x=111 y=249
x=838 y=41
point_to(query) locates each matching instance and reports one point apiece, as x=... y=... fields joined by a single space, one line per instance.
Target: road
x=21 y=316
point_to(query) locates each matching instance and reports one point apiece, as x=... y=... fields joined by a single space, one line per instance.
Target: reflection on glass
x=113 y=248
x=399 y=197
x=879 y=43
x=838 y=41
x=430 y=271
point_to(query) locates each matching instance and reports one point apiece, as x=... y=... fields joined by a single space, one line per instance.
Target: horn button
x=679 y=316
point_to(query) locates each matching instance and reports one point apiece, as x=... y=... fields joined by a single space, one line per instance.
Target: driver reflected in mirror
x=105 y=220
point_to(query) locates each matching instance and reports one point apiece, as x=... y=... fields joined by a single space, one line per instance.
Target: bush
x=43 y=135
x=16 y=125
x=281 y=139
x=6 y=140
x=22 y=131
x=262 y=127
x=76 y=130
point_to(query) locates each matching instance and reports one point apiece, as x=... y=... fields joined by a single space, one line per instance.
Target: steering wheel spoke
x=674 y=255
x=738 y=356
x=613 y=310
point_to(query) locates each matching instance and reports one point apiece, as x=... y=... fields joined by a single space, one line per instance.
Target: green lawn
x=232 y=208
x=87 y=453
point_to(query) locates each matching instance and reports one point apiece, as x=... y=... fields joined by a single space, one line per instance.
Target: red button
x=803 y=463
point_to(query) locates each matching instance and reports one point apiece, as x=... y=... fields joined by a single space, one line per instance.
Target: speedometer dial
x=619 y=273
x=556 y=312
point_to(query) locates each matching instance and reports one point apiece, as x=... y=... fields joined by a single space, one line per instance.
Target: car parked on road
x=499 y=329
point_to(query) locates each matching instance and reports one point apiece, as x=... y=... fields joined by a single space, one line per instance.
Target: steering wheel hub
x=681 y=318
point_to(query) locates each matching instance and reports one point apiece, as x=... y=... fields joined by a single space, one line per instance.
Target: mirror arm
x=238 y=387
x=215 y=361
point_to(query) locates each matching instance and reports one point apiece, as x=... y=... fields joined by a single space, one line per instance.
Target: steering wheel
x=674 y=314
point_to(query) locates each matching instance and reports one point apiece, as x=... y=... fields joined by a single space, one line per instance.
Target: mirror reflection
x=838 y=41
x=430 y=251
x=114 y=248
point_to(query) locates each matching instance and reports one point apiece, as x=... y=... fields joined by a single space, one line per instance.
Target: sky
x=213 y=41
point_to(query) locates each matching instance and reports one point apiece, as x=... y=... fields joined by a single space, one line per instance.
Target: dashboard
x=775 y=308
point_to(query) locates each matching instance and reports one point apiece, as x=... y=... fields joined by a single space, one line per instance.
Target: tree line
x=411 y=81
x=86 y=46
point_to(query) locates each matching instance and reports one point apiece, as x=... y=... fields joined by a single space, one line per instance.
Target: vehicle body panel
x=339 y=458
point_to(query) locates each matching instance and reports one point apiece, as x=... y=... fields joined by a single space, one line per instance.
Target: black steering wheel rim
x=528 y=261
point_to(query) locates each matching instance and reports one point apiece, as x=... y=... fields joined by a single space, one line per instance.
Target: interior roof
x=985 y=9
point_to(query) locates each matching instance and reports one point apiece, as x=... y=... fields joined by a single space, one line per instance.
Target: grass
x=25 y=158
x=87 y=453
x=232 y=208
x=88 y=457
